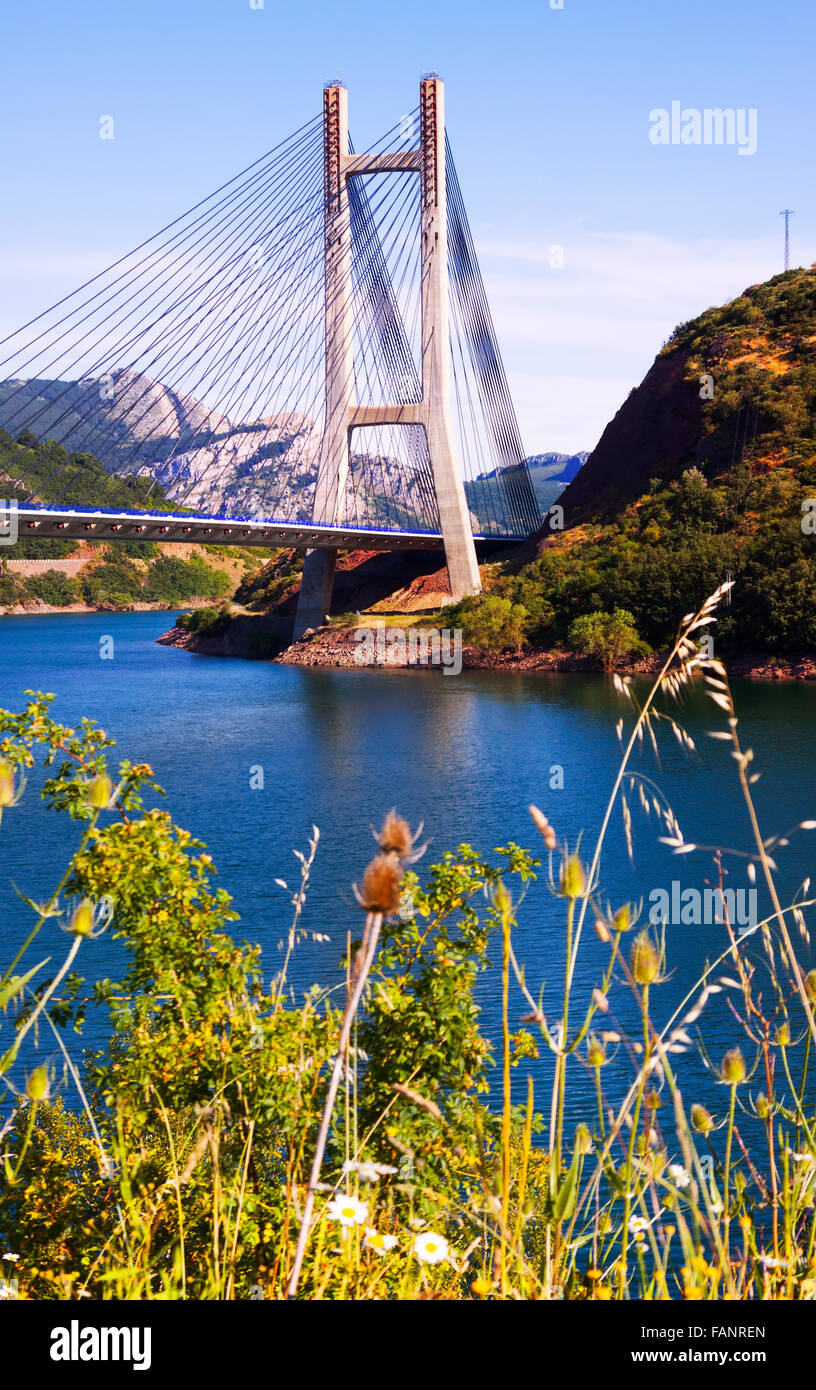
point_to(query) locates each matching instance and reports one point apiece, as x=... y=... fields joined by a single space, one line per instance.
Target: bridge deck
x=76 y=524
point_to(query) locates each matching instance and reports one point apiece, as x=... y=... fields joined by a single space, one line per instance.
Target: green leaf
x=17 y=983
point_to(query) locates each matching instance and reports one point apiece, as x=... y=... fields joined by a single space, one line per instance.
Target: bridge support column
x=434 y=411
x=454 y=514
x=316 y=585
x=314 y=602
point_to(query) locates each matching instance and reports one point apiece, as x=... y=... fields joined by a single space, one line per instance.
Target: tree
x=494 y=624
x=609 y=636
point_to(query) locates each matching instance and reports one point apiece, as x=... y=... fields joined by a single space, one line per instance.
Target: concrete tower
x=342 y=415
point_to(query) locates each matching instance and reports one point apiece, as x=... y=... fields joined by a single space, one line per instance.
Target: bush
x=490 y=622
x=611 y=637
x=53 y=587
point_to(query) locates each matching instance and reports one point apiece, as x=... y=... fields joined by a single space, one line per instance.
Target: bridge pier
x=433 y=412
x=316 y=586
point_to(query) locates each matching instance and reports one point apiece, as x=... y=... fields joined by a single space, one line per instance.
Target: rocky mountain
x=201 y=460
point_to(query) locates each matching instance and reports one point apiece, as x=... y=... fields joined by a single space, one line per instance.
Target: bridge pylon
x=432 y=411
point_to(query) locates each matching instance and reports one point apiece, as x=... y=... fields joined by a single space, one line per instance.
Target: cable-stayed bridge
x=304 y=358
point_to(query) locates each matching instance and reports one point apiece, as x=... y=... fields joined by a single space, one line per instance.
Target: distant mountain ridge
x=205 y=461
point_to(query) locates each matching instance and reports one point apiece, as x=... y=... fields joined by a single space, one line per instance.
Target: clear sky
x=549 y=116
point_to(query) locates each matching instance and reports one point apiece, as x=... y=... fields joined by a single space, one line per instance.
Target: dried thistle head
x=382 y=885
x=396 y=837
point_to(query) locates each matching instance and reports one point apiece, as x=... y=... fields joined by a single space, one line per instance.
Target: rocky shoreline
x=336 y=647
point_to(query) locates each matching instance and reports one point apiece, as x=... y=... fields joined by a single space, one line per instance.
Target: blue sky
x=549 y=116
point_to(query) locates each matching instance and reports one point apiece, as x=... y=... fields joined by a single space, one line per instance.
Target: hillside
x=45 y=574
x=704 y=473
x=737 y=384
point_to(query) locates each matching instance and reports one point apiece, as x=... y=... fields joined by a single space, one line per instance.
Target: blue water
x=465 y=755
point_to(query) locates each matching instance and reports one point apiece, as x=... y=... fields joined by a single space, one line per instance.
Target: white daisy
x=368 y=1171
x=680 y=1174
x=430 y=1248
x=349 y=1211
x=638 y=1223
x=379 y=1243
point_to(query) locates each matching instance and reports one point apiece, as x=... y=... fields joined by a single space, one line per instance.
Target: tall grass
x=235 y=1141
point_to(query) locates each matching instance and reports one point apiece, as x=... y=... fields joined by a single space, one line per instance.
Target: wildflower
x=430 y=1249
x=733 y=1070
x=381 y=885
x=583 y=1140
x=644 y=960
x=10 y=793
x=622 y=919
x=482 y=1287
x=368 y=1171
x=680 y=1174
x=379 y=1242
x=100 y=792
x=701 y=1120
x=89 y=918
x=638 y=1224
x=595 y=1052
x=349 y=1211
x=82 y=918
x=7 y=788
x=763 y=1107
x=38 y=1085
x=8 y=1256
x=572 y=879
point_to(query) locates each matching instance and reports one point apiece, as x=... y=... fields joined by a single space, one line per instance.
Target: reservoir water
x=465 y=755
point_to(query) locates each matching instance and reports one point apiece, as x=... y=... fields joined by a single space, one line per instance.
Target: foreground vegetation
x=232 y=1141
